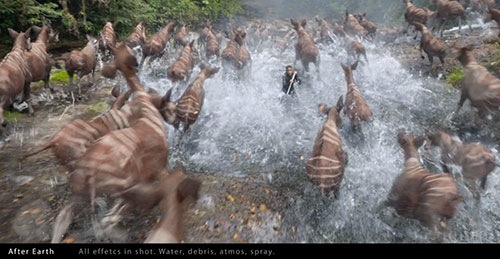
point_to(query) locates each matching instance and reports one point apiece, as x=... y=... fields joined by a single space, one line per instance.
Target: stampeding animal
x=448 y=10
x=120 y=159
x=188 y=107
x=155 y=46
x=431 y=45
x=15 y=76
x=480 y=87
x=326 y=166
x=212 y=45
x=38 y=60
x=356 y=107
x=82 y=62
x=476 y=160
x=180 y=70
x=138 y=37
x=415 y=14
x=417 y=194
x=305 y=50
x=174 y=193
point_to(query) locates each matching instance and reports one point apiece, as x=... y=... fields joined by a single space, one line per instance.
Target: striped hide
x=122 y=158
x=212 y=45
x=415 y=14
x=244 y=58
x=356 y=107
x=431 y=45
x=305 y=50
x=493 y=14
x=480 y=86
x=369 y=26
x=449 y=10
x=72 y=141
x=417 y=194
x=191 y=101
x=180 y=70
x=15 y=76
x=230 y=55
x=174 y=193
x=137 y=37
x=353 y=47
x=324 y=30
x=108 y=37
x=180 y=38
x=82 y=62
x=476 y=160
x=326 y=166
x=352 y=26
x=38 y=60
x=155 y=45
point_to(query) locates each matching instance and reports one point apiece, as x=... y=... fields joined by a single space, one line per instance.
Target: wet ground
x=230 y=208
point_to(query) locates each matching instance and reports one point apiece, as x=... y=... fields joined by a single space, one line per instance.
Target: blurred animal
x=429 y=198
x=355 y=105
x=431 y=46
x=15 y=76
x=476 y=160
x=305 y=50
x=326 y=166
x=82 y=62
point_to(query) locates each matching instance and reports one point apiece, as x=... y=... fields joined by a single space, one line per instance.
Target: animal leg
x=27 y=98
x=63 y=221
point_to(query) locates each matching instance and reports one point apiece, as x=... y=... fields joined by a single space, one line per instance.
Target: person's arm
x=297 y=79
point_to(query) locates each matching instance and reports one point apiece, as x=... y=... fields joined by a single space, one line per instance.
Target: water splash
x=244 y=129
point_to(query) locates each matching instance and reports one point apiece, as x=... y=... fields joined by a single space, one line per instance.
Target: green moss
x=98 y=107
x=456 y=76
x=11 y=116
x=60 y=77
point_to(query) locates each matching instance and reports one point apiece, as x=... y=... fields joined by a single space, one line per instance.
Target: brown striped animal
x=415 y=14
x=212 y=48
x=38 y=60
x=155 y=45
x=138 y=37
x=72 y=141
x=493 y=14
x=305 y=50
x=15 y=76
x=480 y=6
x=180 y=70
x=174 y=193
x=326 y=166
x=449 y=10
x=189 y=105
x=244 y=57
x=353 y=47
x=122 y=158
x=480 y=87
x=356 y=107
x=352 y=26
x=203 y=37
x=370 y=27
x=429 y=44
x=231 y=54
x=476 y=160
x=82 y=62
x=427 y=197
x=108 y=37
x=325 y=30
x=181 y=38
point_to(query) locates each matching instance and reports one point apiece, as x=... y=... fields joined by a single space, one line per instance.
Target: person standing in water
x=289 y=79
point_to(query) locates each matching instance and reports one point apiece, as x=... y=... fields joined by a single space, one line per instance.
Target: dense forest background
x=75 y=18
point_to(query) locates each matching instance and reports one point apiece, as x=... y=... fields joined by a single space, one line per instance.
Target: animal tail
x=46 y=146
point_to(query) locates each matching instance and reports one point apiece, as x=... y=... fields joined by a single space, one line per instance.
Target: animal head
x=409 y=140
x=297 y=25
x=21 y=39
x=333 y=112
x=460 y=51
x=125 y=61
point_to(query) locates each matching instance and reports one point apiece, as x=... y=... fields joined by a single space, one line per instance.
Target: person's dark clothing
x=286 y=83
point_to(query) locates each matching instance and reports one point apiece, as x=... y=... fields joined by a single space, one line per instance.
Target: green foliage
x=98 y=107
x=60 y=77
x=11 y=116
x=456 y=76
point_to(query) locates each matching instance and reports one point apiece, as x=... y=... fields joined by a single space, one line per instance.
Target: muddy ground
x=230 y=209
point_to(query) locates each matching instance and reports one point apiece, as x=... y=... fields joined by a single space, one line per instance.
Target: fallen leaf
x=230 y=198
x=263 y=207
x=35 y=211
x=294 y=229
x=235 y=236
x=69 y=240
